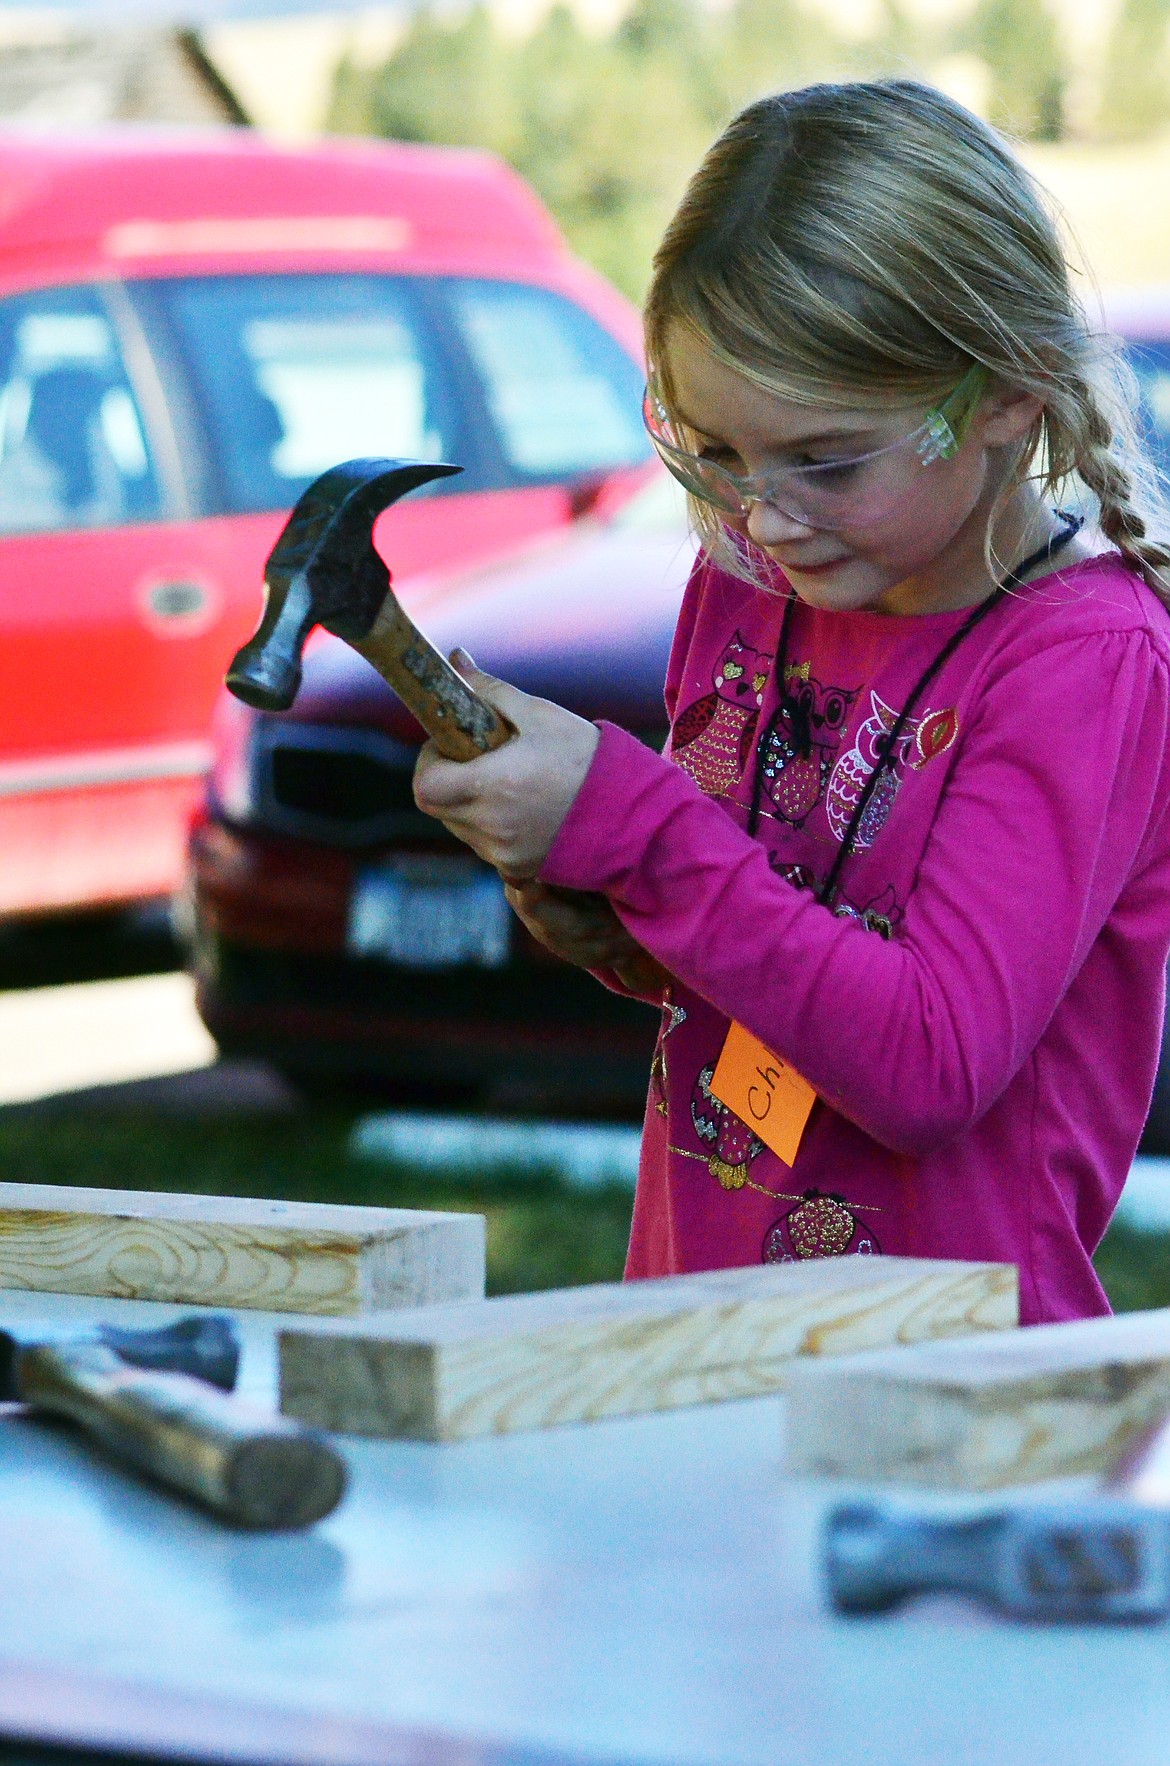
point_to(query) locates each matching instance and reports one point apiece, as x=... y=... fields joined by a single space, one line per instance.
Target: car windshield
x=565 y=398
x=290 y=374
x=1152 y=364
x=293 y=373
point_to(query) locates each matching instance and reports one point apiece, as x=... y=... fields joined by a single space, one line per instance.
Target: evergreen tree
x=773 y=45
x=607 y=130
x=1020 y=42
x=349 y=110
x=448 y=81
x=663 y=103
x=1135 y=95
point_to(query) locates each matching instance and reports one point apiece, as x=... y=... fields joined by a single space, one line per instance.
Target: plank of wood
x=530 y=1361
x=300 y=1257
x=1052 y=1401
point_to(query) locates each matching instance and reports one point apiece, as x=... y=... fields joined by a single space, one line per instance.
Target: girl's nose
x=769 y=526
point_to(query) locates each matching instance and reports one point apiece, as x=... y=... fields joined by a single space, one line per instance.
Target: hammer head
x=204 y=1347
x=323 y=570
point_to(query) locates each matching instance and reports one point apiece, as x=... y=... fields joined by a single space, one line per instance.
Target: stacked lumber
x=227 y=1251
x=531 y=1361
x=1052 y=1401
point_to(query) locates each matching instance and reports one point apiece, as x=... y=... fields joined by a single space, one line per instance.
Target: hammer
x=324 y=570
x=1099 y=1559
x=150 y=1398
x=1091 y=1561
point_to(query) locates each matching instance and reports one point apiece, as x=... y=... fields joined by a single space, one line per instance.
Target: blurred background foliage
x=541 y=1233
x=608 y=126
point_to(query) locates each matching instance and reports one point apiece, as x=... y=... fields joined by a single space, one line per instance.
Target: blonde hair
x=875 y=238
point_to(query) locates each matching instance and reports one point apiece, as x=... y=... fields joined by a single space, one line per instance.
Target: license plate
x=426 y=913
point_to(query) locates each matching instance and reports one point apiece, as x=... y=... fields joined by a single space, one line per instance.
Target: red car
x=191 y=328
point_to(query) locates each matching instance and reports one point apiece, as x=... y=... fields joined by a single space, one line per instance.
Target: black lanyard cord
x=887 y=745
x=784 y=704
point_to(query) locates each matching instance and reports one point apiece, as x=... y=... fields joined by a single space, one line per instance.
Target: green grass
x=1134 y=1268
x=539 y=1234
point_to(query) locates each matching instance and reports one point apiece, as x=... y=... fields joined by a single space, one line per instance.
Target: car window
x=294 y=373
x=564 y=396
x=1152 y=363
x=73 y=448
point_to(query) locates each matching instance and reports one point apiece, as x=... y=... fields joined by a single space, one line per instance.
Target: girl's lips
x=810 y=569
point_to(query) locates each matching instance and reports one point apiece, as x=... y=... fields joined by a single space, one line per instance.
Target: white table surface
x=643 y=1589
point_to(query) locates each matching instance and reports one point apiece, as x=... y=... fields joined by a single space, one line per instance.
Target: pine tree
x=1020 y=42
x=349 y=110
x=773 y=45
x=1135 y=95
x=449 y=82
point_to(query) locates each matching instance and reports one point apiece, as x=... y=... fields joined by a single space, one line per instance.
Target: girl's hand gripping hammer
x=323 y=570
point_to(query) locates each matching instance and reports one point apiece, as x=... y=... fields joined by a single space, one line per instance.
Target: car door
x=111 y=613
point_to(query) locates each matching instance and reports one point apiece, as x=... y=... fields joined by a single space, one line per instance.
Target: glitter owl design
x=731 y=1145
x=819 y=1226
x=921 y=740
x=800 y=745
x=712 y=738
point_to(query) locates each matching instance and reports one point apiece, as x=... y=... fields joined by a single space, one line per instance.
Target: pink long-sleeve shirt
x=981 y=1014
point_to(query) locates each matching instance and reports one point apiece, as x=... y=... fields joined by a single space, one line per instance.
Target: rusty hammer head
x=323 y=570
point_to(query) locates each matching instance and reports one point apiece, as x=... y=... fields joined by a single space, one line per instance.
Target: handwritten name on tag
x=764 y=1091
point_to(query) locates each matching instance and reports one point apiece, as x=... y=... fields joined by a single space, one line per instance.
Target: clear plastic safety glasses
x=829 y=494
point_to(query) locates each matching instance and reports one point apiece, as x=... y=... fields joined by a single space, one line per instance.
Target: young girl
x=907 y=860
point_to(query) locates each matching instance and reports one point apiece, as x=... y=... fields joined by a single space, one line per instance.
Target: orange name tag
x=764 y=1091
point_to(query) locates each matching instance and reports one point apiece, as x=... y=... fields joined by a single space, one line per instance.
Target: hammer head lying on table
x=1093 y=1559
x=204 y=1348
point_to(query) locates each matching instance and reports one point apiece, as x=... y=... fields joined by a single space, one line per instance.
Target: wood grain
x=461 y=724
x=299 y=1257
x=531 y=1361
x=1052 y=1401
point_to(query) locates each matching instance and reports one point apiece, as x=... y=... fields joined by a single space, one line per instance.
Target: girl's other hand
x=508 y=805
x=583 y=929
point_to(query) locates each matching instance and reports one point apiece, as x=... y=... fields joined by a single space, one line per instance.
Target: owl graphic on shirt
x=800 y=745
x=921 y=740
x=712 y=738
x=729 y=1142
x=821 y=1225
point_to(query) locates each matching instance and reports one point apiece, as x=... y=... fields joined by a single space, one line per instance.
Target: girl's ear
x=1005 y=415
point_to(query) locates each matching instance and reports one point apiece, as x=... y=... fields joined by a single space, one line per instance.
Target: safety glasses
x=830 y=494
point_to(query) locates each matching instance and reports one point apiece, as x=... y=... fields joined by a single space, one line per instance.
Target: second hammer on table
x=150 y=1399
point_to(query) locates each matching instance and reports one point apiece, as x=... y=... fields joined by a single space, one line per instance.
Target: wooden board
x=1052 y=1401
x=229 y=1251
x=530 y=1361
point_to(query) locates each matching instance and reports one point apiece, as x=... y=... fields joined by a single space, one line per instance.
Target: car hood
x=585 y=620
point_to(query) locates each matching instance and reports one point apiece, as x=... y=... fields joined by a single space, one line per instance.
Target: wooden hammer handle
x=461 y=723
x=250 y=1468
